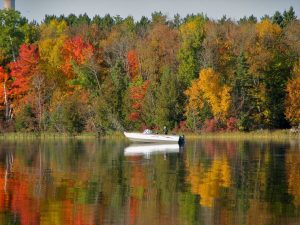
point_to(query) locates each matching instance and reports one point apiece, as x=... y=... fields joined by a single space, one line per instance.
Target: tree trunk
x=7 y=116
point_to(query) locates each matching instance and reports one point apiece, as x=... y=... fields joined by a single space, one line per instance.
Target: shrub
x=231 y=124
x=26 y=120
x=210 y=125
x=68 y=114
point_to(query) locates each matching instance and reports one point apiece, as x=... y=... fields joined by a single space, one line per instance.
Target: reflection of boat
x=147 y=149
x=153 y=138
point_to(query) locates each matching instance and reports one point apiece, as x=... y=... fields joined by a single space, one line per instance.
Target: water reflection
x=148 y=149
x=208 y=181
x=91 y=182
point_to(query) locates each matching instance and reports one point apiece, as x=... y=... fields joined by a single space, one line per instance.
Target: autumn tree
x=145 y=73
x=158 y=51
x=76 y=51
x=216 y=94
x=292 y=110
x=26 y=88
x=119 y=42
x=218 y=47
x=136 y=95
x=23 y=70
x=208 y=90
x=133 y=64
x=50 y=45
x=195 y=105
x=191 y=34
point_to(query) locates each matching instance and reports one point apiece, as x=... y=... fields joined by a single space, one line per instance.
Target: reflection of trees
x=138 y=187
x=292 y=164
x=258 y=213
x=58 y=183
x=153 y=189
x=16 y=193
x=208 y=182
x=242 y=182
x=85 y=182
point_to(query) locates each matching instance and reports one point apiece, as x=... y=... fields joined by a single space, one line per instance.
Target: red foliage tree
x=77 y=51
x=210 y=125
x=133 y=64
x=137 y=95
x=24 y=69
x=231 y=124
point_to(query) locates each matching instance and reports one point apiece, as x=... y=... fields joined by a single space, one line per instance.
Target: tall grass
x=49 y=135
x=257 y=135
x=260 y=134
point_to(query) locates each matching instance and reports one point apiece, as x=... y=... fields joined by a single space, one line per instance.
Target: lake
x=112 y=182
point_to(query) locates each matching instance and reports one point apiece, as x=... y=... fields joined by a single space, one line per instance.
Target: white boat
x=148 y=137
x=148 y=149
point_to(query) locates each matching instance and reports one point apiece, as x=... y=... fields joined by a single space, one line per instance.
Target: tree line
x=76 y=73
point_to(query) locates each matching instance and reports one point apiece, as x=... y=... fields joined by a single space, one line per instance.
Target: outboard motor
x=181 y=140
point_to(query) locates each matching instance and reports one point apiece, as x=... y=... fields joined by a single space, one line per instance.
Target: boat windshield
x=147 y=131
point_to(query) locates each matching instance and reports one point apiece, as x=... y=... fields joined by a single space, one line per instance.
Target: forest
x=74 y=74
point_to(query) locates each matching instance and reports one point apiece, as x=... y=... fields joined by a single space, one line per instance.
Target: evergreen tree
x=278 y=18
x=168 y=111
x=242 y=99
x=120 y=84
x=289 y=16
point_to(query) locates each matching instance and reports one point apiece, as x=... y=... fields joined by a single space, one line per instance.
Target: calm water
x=93 y=182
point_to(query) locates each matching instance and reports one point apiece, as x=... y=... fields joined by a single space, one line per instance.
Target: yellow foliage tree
x=216 y=94
x=53 y=36
x=292 y=110
x=195 y=96
x=267 y=28
x=260 y=51
x=208 y=88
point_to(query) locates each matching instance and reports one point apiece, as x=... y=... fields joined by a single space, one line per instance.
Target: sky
x=215 y=9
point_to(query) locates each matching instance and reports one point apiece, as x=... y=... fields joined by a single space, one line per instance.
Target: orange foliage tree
x=23 y=70
x=292 y=110
x=75 y=50
x=137 y=92
x=133 y=64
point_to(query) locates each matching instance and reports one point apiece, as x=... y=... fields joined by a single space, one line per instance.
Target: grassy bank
x=261 y=134
x=53 y=135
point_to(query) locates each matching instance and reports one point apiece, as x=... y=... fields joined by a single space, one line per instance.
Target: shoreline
x=252 y=135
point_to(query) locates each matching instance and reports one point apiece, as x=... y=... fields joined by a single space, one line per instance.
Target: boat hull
x=151 y=138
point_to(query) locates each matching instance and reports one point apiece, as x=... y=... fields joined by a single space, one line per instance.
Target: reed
x=260 y=134
x=54 y=135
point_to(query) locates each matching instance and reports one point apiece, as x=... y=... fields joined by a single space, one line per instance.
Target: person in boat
x=165 y=130
x=147 y=131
